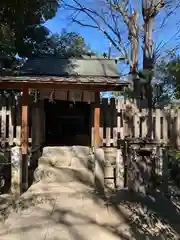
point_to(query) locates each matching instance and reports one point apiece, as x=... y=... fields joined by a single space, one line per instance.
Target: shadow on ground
x=72 y=209
x=75 y=210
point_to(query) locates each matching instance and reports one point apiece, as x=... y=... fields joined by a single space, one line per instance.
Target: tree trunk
x=148 y=44
x=148 y=58
x=149 y=10
x=134 y=38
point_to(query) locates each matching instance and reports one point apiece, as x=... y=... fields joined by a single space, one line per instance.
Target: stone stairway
x=66 y=164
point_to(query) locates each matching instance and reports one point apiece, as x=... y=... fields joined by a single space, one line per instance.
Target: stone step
x=57 y=161
x=66 y=164
x=75 y=156
x=64 y=175
x=67 y=151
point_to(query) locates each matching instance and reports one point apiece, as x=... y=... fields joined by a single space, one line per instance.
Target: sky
x=97 y=41
x=165 y=37
x=93 y=38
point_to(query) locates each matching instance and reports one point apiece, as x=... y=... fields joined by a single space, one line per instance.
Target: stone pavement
x=68 y=211
x=72 y=211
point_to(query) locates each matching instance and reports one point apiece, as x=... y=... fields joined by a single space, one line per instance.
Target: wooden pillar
x=37 y=132
x=98 y=153
x=42 y=122
x=24 y=141
x=97 y=120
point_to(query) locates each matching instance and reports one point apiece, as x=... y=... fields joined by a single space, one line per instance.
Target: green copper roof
x=54 y=66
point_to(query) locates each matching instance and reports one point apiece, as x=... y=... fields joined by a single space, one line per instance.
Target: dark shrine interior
x=67 y=123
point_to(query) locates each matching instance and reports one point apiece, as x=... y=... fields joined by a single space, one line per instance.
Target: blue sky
x=98 y=42
x=93 y=38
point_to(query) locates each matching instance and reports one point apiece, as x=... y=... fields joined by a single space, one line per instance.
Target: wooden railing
x=162 y=125
x=117 y=116
x=10 y=122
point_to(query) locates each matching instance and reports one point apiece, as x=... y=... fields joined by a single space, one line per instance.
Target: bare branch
x=169 y=12
x=117 y=46
x=93 y=15
x=119 y=21
x=121 y=8
x=151 y=8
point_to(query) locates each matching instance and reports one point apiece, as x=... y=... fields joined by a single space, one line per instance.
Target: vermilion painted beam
x=24 y=141
x=97 y=120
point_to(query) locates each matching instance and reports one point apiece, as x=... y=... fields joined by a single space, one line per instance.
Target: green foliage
x=66 y=44
x=174 y=73
x=144 y=78
x=105 y=55
x=21 y=24
x=173 y=155
x=177 y=155
x=169 y=72
x=145 y=75
x=126 y=92
x=7 y=41
x=22 y=32
x=3 y=158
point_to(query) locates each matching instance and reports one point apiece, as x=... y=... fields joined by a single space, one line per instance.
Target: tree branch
x=118 y=47
x=121 y=9
x=92 y=14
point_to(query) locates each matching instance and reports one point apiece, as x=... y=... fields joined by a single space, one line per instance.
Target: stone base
x=109 y=176
x=75 y=156
x=140 y=174
x=16 y=158
x=66 y=164
x=64 y=175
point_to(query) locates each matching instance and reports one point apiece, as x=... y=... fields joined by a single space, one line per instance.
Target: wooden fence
x=117 y=116
x=130 y=121
x=10 y=121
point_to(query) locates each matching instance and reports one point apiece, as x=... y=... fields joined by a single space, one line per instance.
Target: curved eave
x=84 y=83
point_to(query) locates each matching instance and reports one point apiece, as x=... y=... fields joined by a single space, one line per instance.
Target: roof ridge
x=84 y=57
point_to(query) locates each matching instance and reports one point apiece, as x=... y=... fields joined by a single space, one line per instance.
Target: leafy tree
x=166 y=79
x=7 y=46
x=170 y=72
x=21 y=24
x=173 y=70
x=66 y=44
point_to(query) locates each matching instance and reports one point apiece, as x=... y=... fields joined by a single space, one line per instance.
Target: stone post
x=165 y=171
x=119 y=169
x=131 y=171
x=159 y=162
x=16 y=158
x=99 y=170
